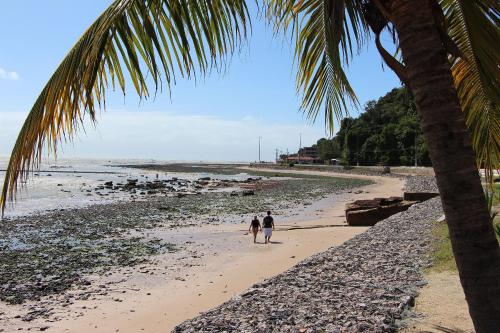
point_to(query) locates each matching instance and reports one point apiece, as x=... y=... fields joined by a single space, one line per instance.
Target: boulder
x=155 y=185
x=248 y=192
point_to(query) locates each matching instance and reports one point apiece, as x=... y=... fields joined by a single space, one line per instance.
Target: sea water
x=63 y=183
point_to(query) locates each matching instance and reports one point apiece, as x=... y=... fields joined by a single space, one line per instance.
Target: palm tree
x=449 y=62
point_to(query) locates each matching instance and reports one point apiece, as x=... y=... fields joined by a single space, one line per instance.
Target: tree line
x=388 y=132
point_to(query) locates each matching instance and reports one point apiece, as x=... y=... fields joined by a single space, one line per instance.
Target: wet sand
x=227 y=263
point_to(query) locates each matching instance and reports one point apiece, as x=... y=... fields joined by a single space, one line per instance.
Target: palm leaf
x=473 y=26
x=149 y=40
x=324 y=32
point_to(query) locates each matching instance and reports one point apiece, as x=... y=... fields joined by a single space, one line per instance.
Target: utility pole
x=260 y=138
x=357 y=150
x=416 y=149
x=300 y=144
x=276 y=155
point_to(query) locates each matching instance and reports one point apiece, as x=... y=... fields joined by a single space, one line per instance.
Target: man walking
x=268 y=227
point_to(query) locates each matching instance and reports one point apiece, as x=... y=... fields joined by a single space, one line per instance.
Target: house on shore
x=305 y=155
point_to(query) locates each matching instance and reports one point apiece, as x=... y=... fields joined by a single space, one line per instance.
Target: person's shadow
x=264 y=243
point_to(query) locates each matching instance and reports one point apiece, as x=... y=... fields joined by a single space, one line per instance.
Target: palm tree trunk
x=475 y=247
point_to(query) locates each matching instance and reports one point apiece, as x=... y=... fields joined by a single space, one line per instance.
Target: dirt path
x=162 y=304
x=442 y=302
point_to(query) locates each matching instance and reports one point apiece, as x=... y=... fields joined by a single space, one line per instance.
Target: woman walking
x=254 y=228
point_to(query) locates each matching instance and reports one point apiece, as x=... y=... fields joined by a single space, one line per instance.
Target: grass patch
x=496 y=195
x=442 y=254
x=496 y=226
x=493 y=206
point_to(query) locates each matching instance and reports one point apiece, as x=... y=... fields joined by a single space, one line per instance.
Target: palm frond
x=325 y=33
x=473 y=26
x=149 y=40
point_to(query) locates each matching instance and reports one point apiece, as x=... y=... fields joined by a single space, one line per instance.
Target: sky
x=218 y=118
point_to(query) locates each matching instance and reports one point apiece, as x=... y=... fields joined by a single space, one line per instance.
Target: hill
x=387 y=133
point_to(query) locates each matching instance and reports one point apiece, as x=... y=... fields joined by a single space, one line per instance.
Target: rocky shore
x=47 y=258
x=421 y=184
x=365 y=285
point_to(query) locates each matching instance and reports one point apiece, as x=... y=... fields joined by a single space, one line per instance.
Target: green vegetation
x=326 y=35
x=442 y=253
x=385 y=133
x=496 y=195
x=493 y=203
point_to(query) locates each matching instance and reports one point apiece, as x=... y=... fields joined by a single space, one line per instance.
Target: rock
x=248 y=192
x=204 y=178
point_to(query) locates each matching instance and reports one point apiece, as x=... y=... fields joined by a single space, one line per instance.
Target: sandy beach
x=224 y=262
x=163 y=304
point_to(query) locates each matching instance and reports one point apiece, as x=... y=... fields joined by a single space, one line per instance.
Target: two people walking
x=267 y=227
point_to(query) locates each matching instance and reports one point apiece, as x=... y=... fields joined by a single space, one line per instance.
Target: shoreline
x=148 y=310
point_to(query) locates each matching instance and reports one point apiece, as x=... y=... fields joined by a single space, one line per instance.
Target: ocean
x=65 y=183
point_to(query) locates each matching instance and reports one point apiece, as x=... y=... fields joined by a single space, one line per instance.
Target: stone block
x=419 y=196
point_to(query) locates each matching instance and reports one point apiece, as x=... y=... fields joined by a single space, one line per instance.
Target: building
x=305 y=155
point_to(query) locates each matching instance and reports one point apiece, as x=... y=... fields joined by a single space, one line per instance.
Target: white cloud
x=7 y=75
x=165 y=136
